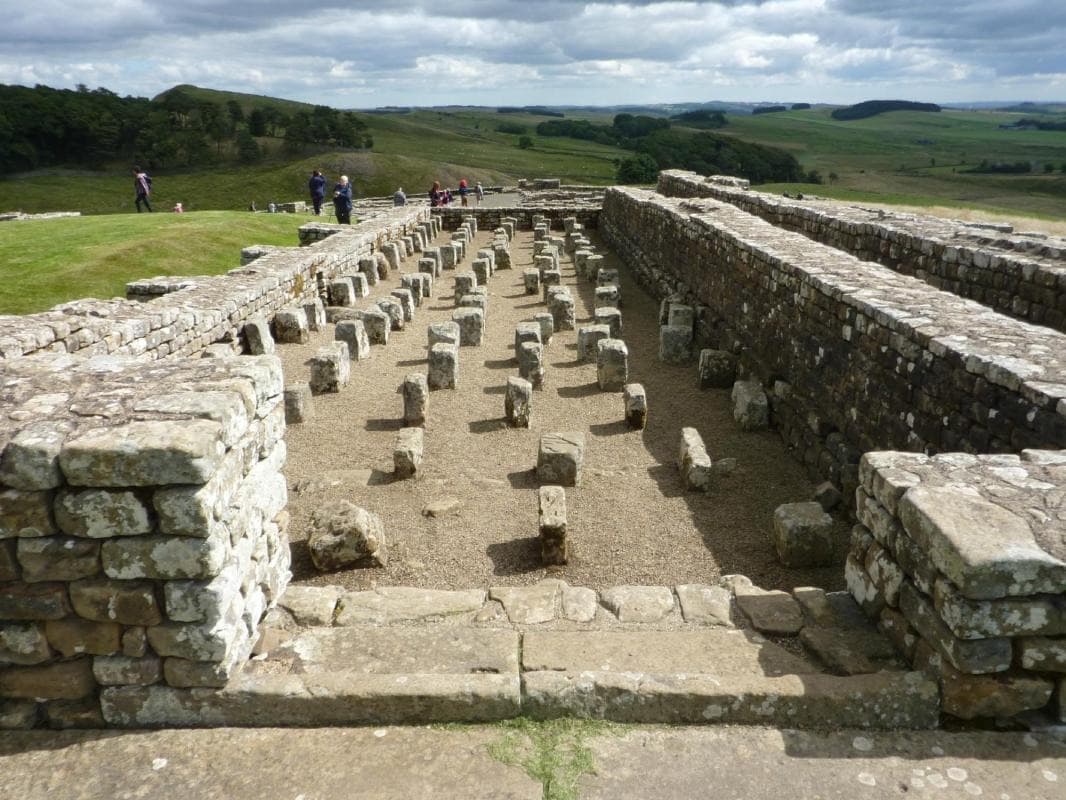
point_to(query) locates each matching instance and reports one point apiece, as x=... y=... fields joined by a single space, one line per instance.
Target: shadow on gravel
x=609 y=428
x=412 y=362
x=568 y=364
x=524 y=479
x=499 y=363
x=390 y=424
x=516 y=557
x=587 y=390
x=487 y=425
x=494 y=390
x=537 y=304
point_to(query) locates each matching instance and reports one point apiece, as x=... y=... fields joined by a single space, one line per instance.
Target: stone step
x=396 y=674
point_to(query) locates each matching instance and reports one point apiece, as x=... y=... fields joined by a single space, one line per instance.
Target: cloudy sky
x=488 y=52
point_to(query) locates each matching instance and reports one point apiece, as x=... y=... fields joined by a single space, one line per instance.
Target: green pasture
x=51 y=261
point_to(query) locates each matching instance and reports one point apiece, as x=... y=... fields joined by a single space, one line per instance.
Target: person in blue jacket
x=342 y=201
x=317 y=186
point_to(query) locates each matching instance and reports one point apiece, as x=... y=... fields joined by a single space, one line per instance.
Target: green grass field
x=46 y=262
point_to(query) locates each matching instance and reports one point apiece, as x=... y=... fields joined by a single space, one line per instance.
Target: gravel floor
x=629 y=521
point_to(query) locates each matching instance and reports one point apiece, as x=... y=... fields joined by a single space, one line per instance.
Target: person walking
x=342 y=201
x=317 y=187
x=479 y=192
x=464 y=190
x=436 y=196
x=142 y=186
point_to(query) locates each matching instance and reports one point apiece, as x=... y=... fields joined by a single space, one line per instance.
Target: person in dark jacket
x=435 y=195
x=142 y=185
x=342 y=201
x=317 y=186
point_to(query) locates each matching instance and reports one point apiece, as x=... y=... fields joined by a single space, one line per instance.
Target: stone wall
x=1019 y=274
x=190 y=313
x=856 y=356
x=142 y=527
x=489 y=218
x=961 y=560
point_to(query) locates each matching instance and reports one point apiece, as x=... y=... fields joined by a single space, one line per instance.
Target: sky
x=520 y=52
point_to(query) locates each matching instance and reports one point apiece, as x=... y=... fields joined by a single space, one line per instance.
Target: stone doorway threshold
x=725 y=654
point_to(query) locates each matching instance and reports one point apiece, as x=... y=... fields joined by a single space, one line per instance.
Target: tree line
x=43 y=127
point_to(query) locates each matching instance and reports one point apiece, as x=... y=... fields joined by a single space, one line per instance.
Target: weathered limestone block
x=607 y=296
x=638 y=603
x=31 y=458
x=392 y=253
x=563 y=311
x=383 y=265
x=9 y=566
x=144 y=453
x=428 y=266
x=368 y=268
x=415 y=399
x=471 y=323
x=344 y=535
x=72 y=637
x=531 y=363
x=316 y=314
x=23 y=643
x=481 y=270
x=413 y=284
x=717 y=369
x=612 y=365
x=518 y=402
x=298 y=405
x=100 y=513
x=526 y=332
x=540 y=233
x=406 y=301
x=63 y=680
x=451 y=255
x=1036 y=615
x=531 y=281
x=443 y=332
x=548 y=279
x=976 y=657
x=607 y=277
x=693 y=462
x=434 y=254
x=163 y=557
x=751 y=409
x=635 y=403
x=772 y=612
x=503 y=255
x=705 y=605
x=827 y=495
x=353 y=333
x=291 y=327
x=25 y=514
x=465 y=283
x=543 y=263
x=547 y=326
x=204 y=601
x=488 y=254
x=257 y=337
x=581 y=256
x=392 y=307
x=479 y=301
x=443 y=372
x=58 y=558
x=342 y=292
x=681 y=315
x=330 y=368
x=560 y=458
x=612 y=318
x=407 y=454
x=588 y=339
x=125 y=602
x=675 y=344
x=126 y=671
x=803 y=535
x=377 y=324
x=551 y=517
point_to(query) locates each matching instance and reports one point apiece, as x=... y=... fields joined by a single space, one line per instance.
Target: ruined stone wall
x=189 y=313
x=1022 y=275
x=489 y=218
x=960 y=560
x=856 y=357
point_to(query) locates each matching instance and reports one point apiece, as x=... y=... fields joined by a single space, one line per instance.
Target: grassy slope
x=45 y=262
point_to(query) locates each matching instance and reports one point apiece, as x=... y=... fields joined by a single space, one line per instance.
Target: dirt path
x=630 y=521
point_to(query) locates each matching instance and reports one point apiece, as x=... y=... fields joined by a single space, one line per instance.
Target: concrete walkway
x=581 y=760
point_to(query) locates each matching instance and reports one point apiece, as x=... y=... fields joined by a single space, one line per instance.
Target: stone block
x=693 y=462
x=316 y=314
x=518 y=402
x=803 y=535
x=9 y=565
x=126 y=602
x=298 y=405
x=451 y=255
x=581 y=256
x=607 y=277
x=407 y=452
x=551 y=517
x=63 y=680
x=481 y=270
x=638 y=603
x=377 y=324
x=428 y=266
x=443 y=372
x=531 y=363
x=717 y=369
x=443 y=332
x=683 y=316
x=635 y=403
x=675 y=344
x=257 y=338
x=368 y=268
x=612 y=365
x=406 y=301
x=611 y=317
x=563 y=311
x=331 y=368
x=547 y=326
x=827 y=495
x=415 y=391
x=607 y=297
x=503 y=255
x=30 y=460
x=773 y=612
x=353 y=333
x=975 y=657
x=344 y=535
x=102 y=513
x=413 y=284
x=126 y=671
x=488 y=254
x=33 y=601
x=58 y=558
x=23 y=643
x=471 y=323
x=25 y=514
x=751 y=409
x=360 y=285
x=526 y=332
x=479 y=301
x=71 y=637
x=291 y=327
x=163 y=557
x=561 y=458
x=531 y=281
x=588 y=339
x=342 y=292
x=391 y=306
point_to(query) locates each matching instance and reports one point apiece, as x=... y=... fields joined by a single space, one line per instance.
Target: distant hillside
x=246 y=101
x=871 y=108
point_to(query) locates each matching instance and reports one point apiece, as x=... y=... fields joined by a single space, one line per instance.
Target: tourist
x=399 y=199
x=142 y=185
x=317 y=187
x=342 y=201
x=436 y=196
x=464 y=190
x=479 y=190
x=178 y=209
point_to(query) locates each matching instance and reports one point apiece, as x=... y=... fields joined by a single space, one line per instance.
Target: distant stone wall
x=1022 y=275
x=960 y=559
x=855 y=356
x=489 y=218
x=190 y=313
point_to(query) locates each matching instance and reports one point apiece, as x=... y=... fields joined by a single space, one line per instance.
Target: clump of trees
x=871 y=108
x=701 y=118
x=768 y=109
x=45 y=127
x=1001 y=167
